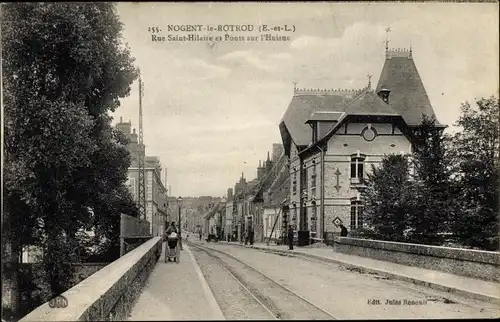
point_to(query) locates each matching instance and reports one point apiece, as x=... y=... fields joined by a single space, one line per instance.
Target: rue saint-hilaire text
x=224 y=38
x=396 y=302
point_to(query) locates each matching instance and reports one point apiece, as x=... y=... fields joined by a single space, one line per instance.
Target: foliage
x=475 y=154
x=64 y=70
x=387 y=199
x=454 y=186
x=432 y=204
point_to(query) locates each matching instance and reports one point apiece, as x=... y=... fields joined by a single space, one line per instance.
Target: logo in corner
x=58 y=302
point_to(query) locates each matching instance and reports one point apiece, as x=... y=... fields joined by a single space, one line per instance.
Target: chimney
x=384 y=93
x=133 y=137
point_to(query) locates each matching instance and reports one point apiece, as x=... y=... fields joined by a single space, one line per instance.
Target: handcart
x=172 y=250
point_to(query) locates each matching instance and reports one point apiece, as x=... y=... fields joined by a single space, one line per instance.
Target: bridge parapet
x=108 y=294
x=478 y=264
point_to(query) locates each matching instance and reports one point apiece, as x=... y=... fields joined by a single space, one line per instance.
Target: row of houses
x=331 y=139
x=254 y=205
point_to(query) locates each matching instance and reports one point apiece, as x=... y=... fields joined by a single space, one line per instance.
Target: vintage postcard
x=250 y=160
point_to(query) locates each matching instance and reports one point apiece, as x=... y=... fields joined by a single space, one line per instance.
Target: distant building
x=332 y=138
x=156 y=192
x=277 y=152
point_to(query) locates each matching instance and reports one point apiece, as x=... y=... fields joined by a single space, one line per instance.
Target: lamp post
x=179 y=205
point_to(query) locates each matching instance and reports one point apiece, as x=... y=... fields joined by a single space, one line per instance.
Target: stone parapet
x=108 y=294
x=464 y=262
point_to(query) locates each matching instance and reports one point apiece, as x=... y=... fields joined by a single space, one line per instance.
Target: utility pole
x=142 y=151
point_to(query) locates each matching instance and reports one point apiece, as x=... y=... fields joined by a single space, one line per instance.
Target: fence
x=133 y=232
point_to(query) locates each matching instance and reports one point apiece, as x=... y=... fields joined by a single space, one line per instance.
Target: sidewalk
x=176 y=291
x=470 y=287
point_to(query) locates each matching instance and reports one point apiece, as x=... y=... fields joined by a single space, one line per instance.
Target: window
x=294 y=188
x=131 y=186
x=313 y=218
x=356 y=214
x=357 y=167
x=306 y=185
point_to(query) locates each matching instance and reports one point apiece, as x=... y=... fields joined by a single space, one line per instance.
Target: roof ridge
x=380 y=101
x=325 y=91
x=361 y=92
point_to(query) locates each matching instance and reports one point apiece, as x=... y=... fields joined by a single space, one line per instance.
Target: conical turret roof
x=407 y=92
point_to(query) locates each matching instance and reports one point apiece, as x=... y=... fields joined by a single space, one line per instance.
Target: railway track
x=279 y=301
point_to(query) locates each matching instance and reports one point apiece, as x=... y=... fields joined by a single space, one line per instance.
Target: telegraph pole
x=142 y=151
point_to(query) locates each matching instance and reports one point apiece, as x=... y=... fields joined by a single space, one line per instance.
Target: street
x=343 y=293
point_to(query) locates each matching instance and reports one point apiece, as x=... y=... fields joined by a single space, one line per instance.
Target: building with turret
x=332 y=137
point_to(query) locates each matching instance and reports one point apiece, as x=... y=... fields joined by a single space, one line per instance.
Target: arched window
x=356 y=214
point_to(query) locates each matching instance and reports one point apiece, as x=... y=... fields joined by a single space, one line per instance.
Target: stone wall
x=483 y=265
x=109 y=293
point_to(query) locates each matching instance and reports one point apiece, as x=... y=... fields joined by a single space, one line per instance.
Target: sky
x=211 y=109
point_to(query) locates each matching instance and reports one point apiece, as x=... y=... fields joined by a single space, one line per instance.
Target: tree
x=432 y=204
x=387 y=198
x=64 y=70
x=475 y=152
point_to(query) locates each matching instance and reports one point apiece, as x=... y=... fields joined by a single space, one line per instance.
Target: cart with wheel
x=172 y=250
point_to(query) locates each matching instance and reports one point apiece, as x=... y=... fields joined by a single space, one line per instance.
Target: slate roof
x=300 y=109
x=369 y=103
x=408 y=96
x=269 y=178
x=218 y=207
x=325 y=116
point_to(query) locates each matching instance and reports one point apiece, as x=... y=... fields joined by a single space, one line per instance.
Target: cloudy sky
x=211 y=111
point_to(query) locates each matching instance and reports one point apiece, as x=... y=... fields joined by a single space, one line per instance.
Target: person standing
x=290 y=237
x=199 y=232
x=251 y=237
x=343 y=231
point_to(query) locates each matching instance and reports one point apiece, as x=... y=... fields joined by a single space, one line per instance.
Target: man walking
x=290 y=237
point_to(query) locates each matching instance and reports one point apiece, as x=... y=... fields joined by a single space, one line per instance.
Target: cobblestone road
x=352 y=295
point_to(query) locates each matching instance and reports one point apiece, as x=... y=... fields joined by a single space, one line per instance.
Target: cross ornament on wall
x=337 y=173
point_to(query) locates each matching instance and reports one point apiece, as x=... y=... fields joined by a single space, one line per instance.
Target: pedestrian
x=199 y=232
x=171 y=228
x=246 y=237
x=290 y=237
x=343 y=231
x=251 y=237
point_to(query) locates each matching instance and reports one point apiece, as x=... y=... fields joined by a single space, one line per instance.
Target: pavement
x=470 y=287
x=176 y=291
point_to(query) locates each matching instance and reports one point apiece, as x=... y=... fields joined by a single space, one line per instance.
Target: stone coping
x=82 y=297
x=478 y=256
